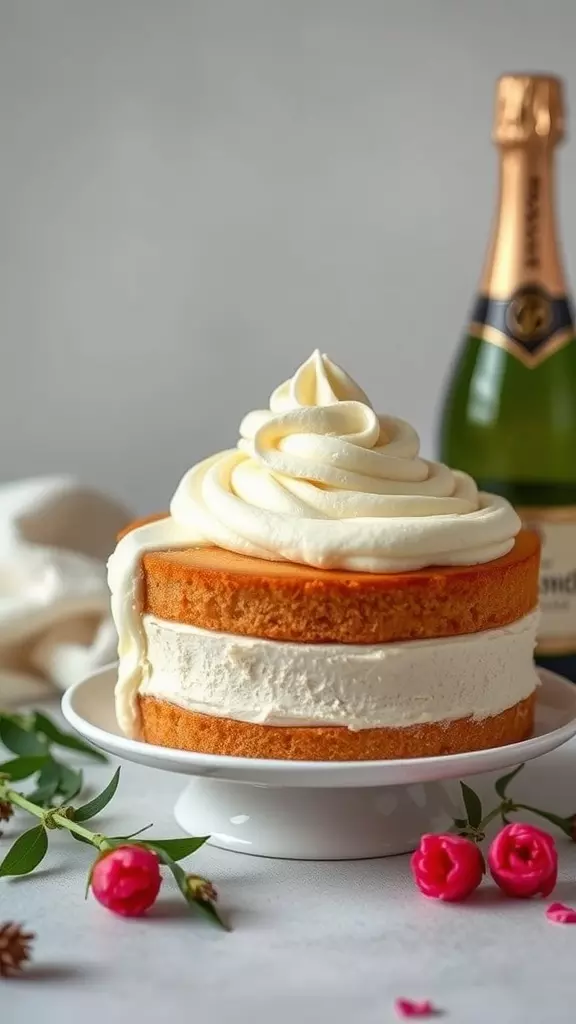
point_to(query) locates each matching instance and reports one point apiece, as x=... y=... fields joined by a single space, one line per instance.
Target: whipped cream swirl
x=319 y=479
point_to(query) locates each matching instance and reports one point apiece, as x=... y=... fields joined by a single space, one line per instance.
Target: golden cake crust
x=219 y=590
x=167 y=725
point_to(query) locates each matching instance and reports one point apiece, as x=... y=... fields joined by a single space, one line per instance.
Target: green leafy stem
x=476 y=821
x=32 y=738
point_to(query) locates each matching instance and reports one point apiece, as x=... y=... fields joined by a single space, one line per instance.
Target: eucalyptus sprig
x=55 y=785
x=32 y=738
x=475 y=822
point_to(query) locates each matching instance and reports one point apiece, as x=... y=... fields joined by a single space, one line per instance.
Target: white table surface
x=336 y=940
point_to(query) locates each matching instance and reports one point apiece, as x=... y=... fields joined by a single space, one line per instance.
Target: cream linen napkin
x=55 y=625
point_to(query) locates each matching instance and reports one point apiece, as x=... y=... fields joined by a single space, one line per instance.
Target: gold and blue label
x=531 y=324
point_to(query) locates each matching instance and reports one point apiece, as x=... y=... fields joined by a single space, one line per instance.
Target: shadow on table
x=57 y=973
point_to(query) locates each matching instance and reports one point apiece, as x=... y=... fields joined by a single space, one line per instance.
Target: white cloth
x=55 y=626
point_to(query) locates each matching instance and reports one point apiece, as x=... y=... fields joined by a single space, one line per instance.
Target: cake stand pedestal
x=314 y=824
x=309 y=810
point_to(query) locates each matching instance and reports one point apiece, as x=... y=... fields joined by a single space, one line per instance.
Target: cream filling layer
x=361 y=687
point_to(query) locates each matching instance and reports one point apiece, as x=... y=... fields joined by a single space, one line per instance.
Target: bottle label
x=531 y=324
x=557 y=530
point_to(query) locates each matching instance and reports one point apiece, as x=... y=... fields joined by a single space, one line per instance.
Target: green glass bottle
x=509 y=416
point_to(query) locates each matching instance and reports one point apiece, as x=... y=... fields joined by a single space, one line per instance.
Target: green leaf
x=209 y=908
x=27 y=852
x=121 y=840
x=180 y=878
x=47 y=783
x=6 y=716
x=80 y=839
x=21 y=741
x=473 y=805
x=177 y=849
x=460 y=822
x=70 y=781
x=21 y=767
x=555 y=819
x=94 y=806
x=564 y=824
x=44 y=724
x=501 y=785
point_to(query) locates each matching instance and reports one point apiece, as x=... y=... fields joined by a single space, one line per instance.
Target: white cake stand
x=309 y=810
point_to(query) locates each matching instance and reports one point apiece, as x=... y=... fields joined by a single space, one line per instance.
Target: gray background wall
x=193 y=195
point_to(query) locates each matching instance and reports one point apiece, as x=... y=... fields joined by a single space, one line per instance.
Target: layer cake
x=323 y=593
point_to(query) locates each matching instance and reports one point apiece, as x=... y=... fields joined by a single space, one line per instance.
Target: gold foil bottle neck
x=529 y=108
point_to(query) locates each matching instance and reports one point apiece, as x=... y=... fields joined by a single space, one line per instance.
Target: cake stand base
x=315 y=824
x=317 y=810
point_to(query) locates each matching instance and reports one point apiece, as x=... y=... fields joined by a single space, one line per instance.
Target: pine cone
x=14 y=948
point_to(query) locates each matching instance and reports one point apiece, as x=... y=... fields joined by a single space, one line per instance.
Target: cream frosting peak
x=320 y=479
x=318 y=381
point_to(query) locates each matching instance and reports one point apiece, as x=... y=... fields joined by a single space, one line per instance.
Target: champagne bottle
x=509 y=416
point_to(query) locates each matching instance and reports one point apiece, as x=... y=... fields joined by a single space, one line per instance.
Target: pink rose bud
x=523 y=861
x=447 y=867
x=126 y=880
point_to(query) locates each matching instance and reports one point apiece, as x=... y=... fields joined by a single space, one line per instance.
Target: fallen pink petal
x=409 y=1008
x=559 y=913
